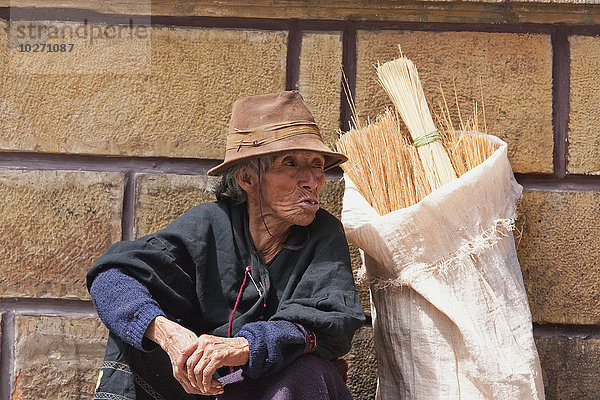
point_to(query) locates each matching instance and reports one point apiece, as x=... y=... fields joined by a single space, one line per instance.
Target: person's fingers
x=179 y=359
x=191 y=364
x=208 y=351
x=199 y=370
x=212 y=392
x=183 y=381
x=210 y=369
x=214 y=389
x=206 y=367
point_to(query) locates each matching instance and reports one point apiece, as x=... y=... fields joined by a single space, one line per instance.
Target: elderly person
x=249 y=297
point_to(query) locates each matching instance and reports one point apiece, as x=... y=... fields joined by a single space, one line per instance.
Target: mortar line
x=570 y=331
x=569 y=182
x=492 y=24
x=267 y=24
x=349 y=69
x=105 y=163
x=7 y=362
x=292 y=68
x=490 y=27
x=79 y=14
x=50 y=307
x=322 y=25
x=560 y=100
x=128 y=210
x=31 y=161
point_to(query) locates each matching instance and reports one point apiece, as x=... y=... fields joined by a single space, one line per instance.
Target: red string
x=237 y=302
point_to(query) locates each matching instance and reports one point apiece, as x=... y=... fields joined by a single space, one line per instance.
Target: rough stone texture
x=511 y=73
x=362 y=363
x=570 y=367
x=53 y=226
x=162 y=198
x=57 y=357
x=320 y=80
x=178 y=107
x=558 y=252
x=584 y=118
x=331 y=200
x=331 y=196
x=470 y=11
x=96 y=49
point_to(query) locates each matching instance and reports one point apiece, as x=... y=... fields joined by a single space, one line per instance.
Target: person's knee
x=311 y=368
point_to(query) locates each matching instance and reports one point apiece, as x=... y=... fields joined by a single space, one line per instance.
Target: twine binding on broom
x=426 y=138
x=411 y=273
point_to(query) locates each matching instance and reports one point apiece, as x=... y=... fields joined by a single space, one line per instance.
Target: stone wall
x=112 y=137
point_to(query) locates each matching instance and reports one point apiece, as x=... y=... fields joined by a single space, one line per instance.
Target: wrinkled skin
x=195 y=359
x=289 y=195
x=289 y=191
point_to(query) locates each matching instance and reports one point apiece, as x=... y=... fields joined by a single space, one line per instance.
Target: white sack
x=450 y=313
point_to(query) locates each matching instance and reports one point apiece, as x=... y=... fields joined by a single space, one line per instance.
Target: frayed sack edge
x=478 y=245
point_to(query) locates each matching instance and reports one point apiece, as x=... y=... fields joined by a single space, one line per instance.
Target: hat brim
x=332 y=158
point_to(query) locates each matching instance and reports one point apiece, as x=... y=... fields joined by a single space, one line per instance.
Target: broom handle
x=400 y=80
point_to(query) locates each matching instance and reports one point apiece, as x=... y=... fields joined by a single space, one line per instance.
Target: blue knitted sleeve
x=273 y=346
x=125 y=306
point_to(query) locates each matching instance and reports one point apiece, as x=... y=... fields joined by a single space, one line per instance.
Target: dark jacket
x=194 y=269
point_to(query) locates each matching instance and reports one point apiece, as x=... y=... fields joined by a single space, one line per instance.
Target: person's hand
x=211 y=353
x=179 y=343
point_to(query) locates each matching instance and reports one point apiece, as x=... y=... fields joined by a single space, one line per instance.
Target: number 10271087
x=45 y=47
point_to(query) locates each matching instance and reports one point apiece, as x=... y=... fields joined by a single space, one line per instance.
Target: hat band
x=266 y=134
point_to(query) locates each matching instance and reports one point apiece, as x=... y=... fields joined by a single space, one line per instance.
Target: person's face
x=291 y=186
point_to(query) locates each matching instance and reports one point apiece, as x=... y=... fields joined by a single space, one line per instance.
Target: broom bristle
x=383 y=165
x=468 y=147
x=400 y=80
x=387 y=169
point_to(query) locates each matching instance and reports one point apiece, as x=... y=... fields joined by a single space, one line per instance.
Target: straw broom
x=383 y=164
x=400 y=80
x=388 y=169
x=468 y=147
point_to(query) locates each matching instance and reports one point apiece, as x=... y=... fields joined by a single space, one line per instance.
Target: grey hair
x=228 y=187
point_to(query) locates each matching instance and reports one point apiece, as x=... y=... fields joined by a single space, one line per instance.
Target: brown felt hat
x=270 y=124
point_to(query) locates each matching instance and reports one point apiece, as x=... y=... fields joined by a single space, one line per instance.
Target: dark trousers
x=129 y=374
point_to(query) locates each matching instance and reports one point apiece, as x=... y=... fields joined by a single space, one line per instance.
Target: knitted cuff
x=137 y=327
x=256 y=356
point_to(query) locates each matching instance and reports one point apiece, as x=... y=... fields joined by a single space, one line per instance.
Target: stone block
x=54 y=226
x=163 y=198
x=178 y=107
x=331 y=200
x=331 y=196
x=362 y=363
x=584 y=116
x=57 y=357
x=509 y=73
x=558 y=252
x=320 y=80
x=570 y=367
